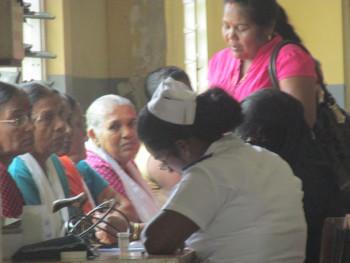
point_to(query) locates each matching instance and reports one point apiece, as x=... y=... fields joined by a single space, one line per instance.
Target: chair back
x=335 y=244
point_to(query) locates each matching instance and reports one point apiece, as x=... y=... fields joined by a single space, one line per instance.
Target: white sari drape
x=135 y=188
x=50 y=189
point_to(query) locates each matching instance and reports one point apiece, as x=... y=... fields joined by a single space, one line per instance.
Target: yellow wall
x=105 y=38
x=119 y=34
x=97 y=35
x=88 y=38
x=175 y=52
x=319 y=23
x=214 y=18
x=78 y=36
x=54 y=40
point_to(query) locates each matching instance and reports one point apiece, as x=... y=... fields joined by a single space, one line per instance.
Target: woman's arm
x=123 y=205
x=168 y=232
x=305 y=90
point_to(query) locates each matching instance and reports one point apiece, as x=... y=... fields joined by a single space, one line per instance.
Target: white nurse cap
x=173 y=102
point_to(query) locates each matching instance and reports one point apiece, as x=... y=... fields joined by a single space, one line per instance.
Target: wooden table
x=187 y=256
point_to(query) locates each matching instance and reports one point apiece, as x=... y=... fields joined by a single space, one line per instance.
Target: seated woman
x=235 y=203
x=160 y=179
x=39 y=173
x=16 y=138
x=81 y=177
x=275 y=120
x=111 y=148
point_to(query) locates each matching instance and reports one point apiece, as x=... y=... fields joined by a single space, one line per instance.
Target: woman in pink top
x=251 y=30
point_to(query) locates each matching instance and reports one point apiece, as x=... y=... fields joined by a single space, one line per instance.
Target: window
x=32 y=68
x=196 y=50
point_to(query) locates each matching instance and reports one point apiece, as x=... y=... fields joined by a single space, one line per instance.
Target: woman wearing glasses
x=16 y=138
x=39 y=173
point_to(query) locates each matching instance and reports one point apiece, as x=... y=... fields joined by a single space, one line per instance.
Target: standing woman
x=39 y=174
x=234 y=203
x=251 y=30
x=16 y=138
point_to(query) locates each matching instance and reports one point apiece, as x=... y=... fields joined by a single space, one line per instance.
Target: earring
x=269 y=37
x=97 y=143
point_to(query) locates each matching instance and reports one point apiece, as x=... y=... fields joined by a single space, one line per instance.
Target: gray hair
x=97 y=110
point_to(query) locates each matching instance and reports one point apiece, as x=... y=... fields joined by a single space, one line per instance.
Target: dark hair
x=7 y=92
x=284 y=28
x=275 y=120
x=37 y=90
x=154 y=78
x=266 y=13
x=71 y=101
x=216 y=114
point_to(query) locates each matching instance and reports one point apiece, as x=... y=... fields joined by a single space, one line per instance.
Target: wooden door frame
x=346 y=45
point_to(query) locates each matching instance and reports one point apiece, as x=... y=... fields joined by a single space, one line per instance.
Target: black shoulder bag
x=332 y=128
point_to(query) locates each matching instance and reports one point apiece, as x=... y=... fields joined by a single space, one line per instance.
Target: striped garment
x=106 y=171
x=12 y=201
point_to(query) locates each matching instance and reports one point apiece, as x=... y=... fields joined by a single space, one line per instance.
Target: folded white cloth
x=50 y=189
x=173 y=102
x=136 y=190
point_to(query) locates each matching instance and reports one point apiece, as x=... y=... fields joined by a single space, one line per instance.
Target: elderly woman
x=39 y=173
x=111 y=148
x=81 y=177
x=16 y=138
x=235 y=203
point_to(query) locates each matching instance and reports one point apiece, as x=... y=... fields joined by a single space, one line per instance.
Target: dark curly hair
x=154 y=78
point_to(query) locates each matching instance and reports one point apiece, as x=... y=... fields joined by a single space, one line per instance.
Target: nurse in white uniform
x=235 y=202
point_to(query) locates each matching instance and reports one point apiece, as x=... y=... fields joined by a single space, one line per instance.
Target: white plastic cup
x=123 y=243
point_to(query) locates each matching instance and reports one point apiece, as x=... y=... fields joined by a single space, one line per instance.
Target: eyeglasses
x=20 y=121
x=164 y=164
x=48 y=117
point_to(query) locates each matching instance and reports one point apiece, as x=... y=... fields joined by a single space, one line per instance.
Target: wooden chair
x=335 y=244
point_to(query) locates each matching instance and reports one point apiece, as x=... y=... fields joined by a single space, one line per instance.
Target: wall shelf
x=38 y=15
x=40 y=54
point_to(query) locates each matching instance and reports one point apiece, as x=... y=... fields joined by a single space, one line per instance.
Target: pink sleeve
x=292 y=61
x=219 y=68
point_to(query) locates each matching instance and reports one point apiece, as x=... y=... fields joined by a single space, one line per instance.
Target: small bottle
x=123 y=243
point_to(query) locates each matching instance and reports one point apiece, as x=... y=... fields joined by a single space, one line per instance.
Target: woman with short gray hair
x=111 y=148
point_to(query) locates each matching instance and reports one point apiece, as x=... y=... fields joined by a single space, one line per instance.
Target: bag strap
x=324 y=96
x=327 y=96
x=273 y=60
